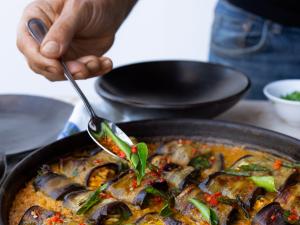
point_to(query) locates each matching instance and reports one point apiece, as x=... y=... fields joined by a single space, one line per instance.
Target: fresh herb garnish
x=266 y=182
x=156 y=192
x=207 y=213
x=138 y=160
x=200 y=162
x=294 y=96
x=93 y=199
x=254 y=167
x=291 y=165
x=166 y=210
x=234 y=172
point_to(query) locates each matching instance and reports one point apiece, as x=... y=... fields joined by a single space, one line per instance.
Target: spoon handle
x=38 y=30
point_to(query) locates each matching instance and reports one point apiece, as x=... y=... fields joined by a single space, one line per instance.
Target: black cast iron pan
x=173 y=89
x=213 y=131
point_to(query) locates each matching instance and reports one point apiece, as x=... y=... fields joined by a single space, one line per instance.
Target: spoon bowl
x=38 y=30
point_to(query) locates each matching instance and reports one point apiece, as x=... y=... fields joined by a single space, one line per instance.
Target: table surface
x=260 y=114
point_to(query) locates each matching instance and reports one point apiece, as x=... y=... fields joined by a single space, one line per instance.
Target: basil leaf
x=156 y=192
x=233 y=172
x=143 y=155
x=203 y=209
x=200 y=162
x=207 y=213
x=266 y=182
x=254 y=167
x=134 y=159
x=291 y=165
x=166 y=210
x=213 y=217
x=92 y=200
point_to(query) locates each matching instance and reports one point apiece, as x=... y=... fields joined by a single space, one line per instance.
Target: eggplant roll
x=36 y=215
x=55 y=185
x=91 y=171
x=232 y=187
x=125 y=188
x=180 y=177
x=224 y=212
x=181 y=153
x=289 y=199
x=271 y=214
x=155 y=218
x=109 y=209
x=282 y=175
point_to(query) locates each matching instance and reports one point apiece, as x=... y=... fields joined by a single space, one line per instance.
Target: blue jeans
x=263 y=50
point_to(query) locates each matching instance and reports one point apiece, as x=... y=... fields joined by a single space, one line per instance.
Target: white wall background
x=156 y=29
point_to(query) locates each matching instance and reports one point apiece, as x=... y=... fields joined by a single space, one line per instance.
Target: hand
x=80 y=31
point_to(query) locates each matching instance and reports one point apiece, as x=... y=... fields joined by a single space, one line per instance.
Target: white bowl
x=287 y=110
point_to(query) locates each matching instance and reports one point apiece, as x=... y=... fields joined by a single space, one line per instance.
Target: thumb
x=59 y=37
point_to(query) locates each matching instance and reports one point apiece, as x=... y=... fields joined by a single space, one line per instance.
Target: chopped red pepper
x=134 y=183
x=122 y=155
x=277 y=164
x=212 y=199
x=134 y=149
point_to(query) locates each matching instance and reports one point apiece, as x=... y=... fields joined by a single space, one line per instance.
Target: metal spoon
x=38 y=30
x=3 y=167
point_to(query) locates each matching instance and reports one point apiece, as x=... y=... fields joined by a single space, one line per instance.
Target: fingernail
x=51 y=48
x=78 y=75
x=51 y=69
x=93 y=66
x=106 y=64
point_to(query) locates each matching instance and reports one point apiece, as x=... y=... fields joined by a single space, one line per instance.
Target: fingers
x=59 y=36
x=50 y=68
x=89 y=66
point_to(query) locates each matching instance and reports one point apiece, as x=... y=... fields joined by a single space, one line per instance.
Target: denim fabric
x=263 y=50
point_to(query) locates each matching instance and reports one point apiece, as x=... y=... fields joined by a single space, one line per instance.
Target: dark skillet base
x=213 y=131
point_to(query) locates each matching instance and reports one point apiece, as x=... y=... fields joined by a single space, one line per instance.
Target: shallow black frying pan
x=213 y=131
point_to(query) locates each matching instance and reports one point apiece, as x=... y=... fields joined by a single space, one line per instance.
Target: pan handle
x=3 y=167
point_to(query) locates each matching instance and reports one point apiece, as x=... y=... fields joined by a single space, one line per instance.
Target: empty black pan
x=164 y=89
x=210 y=130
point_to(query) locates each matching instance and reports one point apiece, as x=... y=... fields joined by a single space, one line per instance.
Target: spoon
x=3 y=167
x=38 y=30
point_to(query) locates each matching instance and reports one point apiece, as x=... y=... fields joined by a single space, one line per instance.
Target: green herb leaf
x=156 y=192
x=138 y=161
x=266 y=182
x=291 y=165
x=213 y=217
x=234 y=172
x=143 y=155
x=294 y=96
x=93 y=199
x=203 y=209
x=134 y=159
x=254 y=167
x=200 y=162
x=166 y=210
